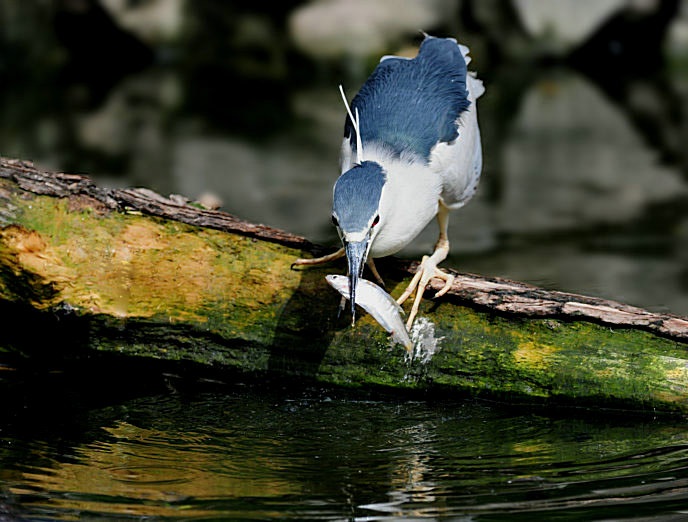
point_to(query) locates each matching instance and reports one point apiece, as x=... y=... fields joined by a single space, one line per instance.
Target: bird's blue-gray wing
x=411 y=105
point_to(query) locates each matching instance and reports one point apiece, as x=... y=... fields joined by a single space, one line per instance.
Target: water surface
x=236 y=452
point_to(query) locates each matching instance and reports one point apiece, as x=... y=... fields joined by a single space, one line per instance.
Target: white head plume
x=357 y=126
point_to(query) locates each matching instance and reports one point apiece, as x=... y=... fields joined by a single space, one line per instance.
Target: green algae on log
x=134 y=273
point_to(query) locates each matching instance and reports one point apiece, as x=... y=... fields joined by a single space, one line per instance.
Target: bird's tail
x=464 y=51
x=474 y=85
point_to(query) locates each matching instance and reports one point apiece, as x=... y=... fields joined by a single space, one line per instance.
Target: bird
x=411 y=152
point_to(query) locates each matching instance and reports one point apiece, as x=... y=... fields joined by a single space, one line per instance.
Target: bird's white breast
x=409 y=201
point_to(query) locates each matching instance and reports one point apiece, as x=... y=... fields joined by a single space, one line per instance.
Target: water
x=69 y=448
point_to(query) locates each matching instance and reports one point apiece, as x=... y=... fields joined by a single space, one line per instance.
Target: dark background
x=584 y=121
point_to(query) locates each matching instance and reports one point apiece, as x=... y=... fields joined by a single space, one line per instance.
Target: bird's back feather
x=408 y=106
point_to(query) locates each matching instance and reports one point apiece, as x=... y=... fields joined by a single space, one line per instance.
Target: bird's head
x=356 y=214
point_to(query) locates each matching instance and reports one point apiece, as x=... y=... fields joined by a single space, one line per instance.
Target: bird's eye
x=335 y=222
x=377 y=220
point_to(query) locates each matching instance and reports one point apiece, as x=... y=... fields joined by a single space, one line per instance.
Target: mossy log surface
x=132 y=272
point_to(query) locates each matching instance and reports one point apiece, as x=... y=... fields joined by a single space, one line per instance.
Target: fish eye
x=335 y=222
x=377 y=220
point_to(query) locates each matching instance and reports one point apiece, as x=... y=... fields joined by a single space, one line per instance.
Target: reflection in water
x=573 y=160
x=584 y=203
x=306 y=454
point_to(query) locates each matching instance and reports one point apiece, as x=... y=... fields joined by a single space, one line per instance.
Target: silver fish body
x=377 y=303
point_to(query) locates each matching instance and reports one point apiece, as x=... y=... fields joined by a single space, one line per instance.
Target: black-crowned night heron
x=411 y=152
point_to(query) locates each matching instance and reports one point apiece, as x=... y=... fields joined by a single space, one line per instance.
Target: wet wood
x=493 y=293
x=133 y=272
x=176 y=207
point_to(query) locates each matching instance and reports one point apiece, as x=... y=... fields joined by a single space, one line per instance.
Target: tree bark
x=132 y=272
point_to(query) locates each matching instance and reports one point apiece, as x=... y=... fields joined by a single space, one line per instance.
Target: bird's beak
x=356 y=252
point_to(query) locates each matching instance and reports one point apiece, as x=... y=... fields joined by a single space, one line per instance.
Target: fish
x=377 y=303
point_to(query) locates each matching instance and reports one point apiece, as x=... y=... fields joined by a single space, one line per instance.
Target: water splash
x=425 y=343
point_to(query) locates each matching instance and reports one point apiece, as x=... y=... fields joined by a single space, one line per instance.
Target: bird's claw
x=318 y=260
x=426 y=271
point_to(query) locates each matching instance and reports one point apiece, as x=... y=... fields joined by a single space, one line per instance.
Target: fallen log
x=134 y=273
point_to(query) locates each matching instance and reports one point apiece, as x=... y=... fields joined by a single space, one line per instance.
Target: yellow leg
x=428 y=268
x=376 y=274
x=319 y=260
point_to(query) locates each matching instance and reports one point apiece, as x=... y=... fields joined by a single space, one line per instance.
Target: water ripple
x=249 y=455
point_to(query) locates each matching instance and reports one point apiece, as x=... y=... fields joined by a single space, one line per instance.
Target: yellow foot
x=319 y=260
x=426 y=271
